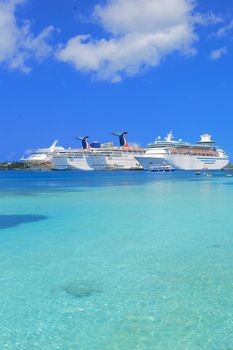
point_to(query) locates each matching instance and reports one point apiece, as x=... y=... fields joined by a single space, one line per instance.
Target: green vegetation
x=13 y=166
x=23 y=166
x=229 y=167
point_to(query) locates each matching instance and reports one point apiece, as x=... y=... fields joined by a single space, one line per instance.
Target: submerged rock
x=215 y=246
x=80 y=289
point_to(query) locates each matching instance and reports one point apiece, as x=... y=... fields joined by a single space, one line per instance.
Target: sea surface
x=116 y=261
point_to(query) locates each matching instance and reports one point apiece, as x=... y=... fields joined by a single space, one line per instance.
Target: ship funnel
x=85 y=144
x=206 y=138
x=122 y=138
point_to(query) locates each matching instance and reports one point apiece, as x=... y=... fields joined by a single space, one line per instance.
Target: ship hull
x=183 y=162
x=96 y=162
x=71 y=163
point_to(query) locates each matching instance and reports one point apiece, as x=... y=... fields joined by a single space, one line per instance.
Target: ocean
x=116 y=261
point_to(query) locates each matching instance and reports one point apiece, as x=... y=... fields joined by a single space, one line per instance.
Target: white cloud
x=217 y=54
x=225 y=30
x=141 y=34
x=18 y=44
x=144 y=16
x=208 y=18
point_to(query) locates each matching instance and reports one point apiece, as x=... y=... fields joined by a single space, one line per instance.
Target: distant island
x=229 y=167
x=16 y=165
x=13 y=166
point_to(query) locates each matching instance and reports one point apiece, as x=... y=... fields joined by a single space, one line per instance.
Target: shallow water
x=109 y=261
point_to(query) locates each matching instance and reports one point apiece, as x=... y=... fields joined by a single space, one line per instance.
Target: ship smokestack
x=85 y=144
x=122 y=138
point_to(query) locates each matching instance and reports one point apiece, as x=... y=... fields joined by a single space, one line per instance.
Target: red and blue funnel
x=85 y=144
x=122 y=138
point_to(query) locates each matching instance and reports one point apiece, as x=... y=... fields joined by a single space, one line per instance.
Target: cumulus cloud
x=18 y=44
x=140 y=34
x=217 y=54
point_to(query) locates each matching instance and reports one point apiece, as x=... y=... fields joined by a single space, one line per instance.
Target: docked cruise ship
x=203 y=155
x=98 y=156
x=42 y=158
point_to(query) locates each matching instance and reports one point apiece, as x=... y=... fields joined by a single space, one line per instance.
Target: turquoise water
x=108 y=261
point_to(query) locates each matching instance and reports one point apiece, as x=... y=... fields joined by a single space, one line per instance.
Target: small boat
x=229 y=175
x=162 y=169
x=198 y=173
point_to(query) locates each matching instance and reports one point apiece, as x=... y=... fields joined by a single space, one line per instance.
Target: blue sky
x=167 y=69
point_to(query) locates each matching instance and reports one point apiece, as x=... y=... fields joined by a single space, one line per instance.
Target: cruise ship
x=203 y=155
x=42 y=158
x=98 y=156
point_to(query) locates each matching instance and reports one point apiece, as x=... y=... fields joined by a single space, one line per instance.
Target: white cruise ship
x=98 y=156
x=42 y=158
x=203 y=155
